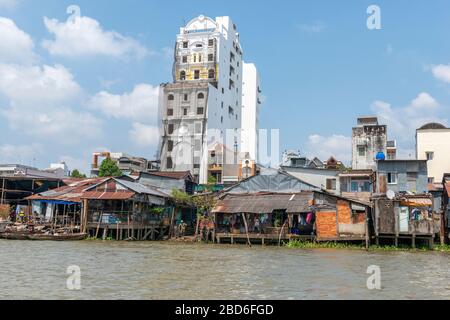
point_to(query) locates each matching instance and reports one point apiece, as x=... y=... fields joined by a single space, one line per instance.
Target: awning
x=417 y=202
x=69 y=203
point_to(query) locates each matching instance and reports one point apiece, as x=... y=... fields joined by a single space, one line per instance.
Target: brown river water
x=113 y=270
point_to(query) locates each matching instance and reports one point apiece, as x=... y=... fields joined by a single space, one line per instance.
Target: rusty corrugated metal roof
x=70 y=193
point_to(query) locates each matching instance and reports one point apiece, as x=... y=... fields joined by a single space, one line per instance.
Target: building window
x=392 y=177
x=199 y=45
x=198 y=128
x=221 y=119
x=211 y=42
x=183 y=75
x=430 y=180
x=197 y=74
x=185 y=97
x=185 y=44
x=223 y=91
x=196 y=162
x=331 y=184
x=201 y=96
x=361 y=151
x=430 y=156
x=360 y=186
x=210 y=57
x=197 y=145
x=171 y=97
x=230 y=111
x=411 y=176
x=184 y=59
x=170 y=128
x=200 y=111
x=211 y=74
x=185 y=112
x=170 y=146
x=170 y=112
x=169 y=163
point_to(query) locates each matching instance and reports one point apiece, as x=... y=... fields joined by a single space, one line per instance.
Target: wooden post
x=117 y=231
x=246 y=229
x=84 y=216
x=367 y=232
x=171 y=223
x=98 y=225
x=281 y=233
x=3 y=191
x=414 y=240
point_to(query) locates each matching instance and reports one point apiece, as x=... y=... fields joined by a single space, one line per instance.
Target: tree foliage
x=204 y=202
x=109 y=168
x=77 y=174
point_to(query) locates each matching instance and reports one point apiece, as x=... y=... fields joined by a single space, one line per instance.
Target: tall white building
x=251 y=103
x=203 y=104
x=433 y=144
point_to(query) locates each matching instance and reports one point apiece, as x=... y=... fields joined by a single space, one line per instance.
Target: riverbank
x=295 y=244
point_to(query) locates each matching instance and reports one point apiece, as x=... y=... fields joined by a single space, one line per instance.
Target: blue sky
x=65 y=94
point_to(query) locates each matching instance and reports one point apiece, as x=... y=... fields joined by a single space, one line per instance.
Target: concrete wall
x=437 y=141
x=374 y=139
x=402 y=168
x=316 y=177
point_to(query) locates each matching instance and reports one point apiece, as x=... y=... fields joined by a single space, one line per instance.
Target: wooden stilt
x=246 y=229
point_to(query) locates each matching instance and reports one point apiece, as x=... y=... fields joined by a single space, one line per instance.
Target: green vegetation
x=204 y=203
x=212 y=180
x=109 y=168
x=77 y=174
x=298 y=244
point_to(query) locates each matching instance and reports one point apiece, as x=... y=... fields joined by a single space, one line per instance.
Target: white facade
x=251 y=103
x=434 y=145
x=204 y=104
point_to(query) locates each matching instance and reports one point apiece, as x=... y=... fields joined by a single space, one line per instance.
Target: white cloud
x=20 y=153
x=315 y=27
x=16 y=46
x=85 y=36
x=38 y=84
x=41 y=100
x=424 y=101
x=402 y=122
x=338 y=146
x=8 y=4
x=144 y=135
x=140 y=105
x=441 y=72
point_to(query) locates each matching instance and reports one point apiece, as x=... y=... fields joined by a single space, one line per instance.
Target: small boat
x=57 y=237
x=14 y=235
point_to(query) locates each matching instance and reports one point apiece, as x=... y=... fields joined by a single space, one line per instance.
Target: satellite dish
x=390 y=195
